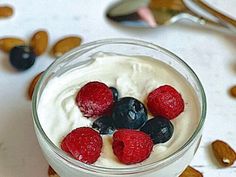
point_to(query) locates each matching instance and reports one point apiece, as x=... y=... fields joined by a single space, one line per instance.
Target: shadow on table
x=6 y=66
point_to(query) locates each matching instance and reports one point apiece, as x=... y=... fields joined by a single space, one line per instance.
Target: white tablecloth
x=211 y=54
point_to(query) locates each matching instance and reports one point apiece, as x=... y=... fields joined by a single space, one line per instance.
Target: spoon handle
x=231 y=23
x=203 y=21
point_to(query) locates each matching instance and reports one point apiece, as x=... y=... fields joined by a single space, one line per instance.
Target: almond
x=39 y=42
x=6 y=44
x=65 y=45
x=51 y=172
x=225 y=155
x=233 y=91
x=191 y=172
x=6 y=11
x=32 y=85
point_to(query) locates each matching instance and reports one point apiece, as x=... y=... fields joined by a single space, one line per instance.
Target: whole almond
x=224 y=154
x=39 y=42
x=32 y=85
x=64 y=45
x=6 y=44
x=233 y=91
x=191 y=172
x=51 y=172
x=6 y=11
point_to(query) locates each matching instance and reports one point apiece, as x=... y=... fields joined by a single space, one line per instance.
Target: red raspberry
x=165 y=101
x=131 y=146
x=95 y=99
x=84 y=144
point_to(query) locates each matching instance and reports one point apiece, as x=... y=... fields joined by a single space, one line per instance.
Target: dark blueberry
x=129 y=113
x=104 y=125
x=159 y=128
x=22 y=57
x=114 y=93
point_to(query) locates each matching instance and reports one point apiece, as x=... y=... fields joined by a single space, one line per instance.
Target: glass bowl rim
x=133 y=169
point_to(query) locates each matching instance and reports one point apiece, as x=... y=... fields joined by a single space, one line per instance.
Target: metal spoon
x=153 y=13
x=227 y=21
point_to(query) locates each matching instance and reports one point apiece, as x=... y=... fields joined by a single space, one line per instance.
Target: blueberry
x=129 y=113
x=104 y=125
x=22 y=57
x=114 y=93
x=159 y=128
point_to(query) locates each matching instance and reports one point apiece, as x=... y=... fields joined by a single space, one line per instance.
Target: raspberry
x=131 y=146
x=84 y=144
x=165 y=101
x=95 y=99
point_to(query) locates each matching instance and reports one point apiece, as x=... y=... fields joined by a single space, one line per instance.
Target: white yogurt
x=134 y=76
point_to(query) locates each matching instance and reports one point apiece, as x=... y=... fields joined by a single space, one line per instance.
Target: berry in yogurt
x=84 y=144
x=165 y=101
x=95 y=99
x=160 y=129
x=129 y=112
x=104 y=125
x=115 y=93
x=131 y=146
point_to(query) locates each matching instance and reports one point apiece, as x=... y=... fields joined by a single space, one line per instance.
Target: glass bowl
x=170 y=166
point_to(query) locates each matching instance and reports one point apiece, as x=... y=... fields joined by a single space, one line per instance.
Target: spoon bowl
x=154 y=13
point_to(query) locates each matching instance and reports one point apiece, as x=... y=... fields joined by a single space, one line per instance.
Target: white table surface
x=211 y=54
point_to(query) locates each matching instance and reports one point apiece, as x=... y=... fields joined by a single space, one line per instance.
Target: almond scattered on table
x=191 y=172
x=233 y=91
x=224 y=154
x=32 y=85
x=6 y=11
x=39 y=42
x=6 y=44
x=64 y=45
x=51 y=172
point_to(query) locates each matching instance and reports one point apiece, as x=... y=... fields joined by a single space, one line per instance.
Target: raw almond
x=6 y=44
x=65 y=45
x=233 y=91
x=191 y=172
x=6 y=11
x=32 y=85
x=51 y=172
x=39 y=42
x=225 y=155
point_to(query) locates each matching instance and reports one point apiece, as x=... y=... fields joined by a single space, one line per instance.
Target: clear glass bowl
x=65 y=166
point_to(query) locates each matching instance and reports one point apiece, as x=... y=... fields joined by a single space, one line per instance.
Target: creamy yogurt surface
x=134 y=76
